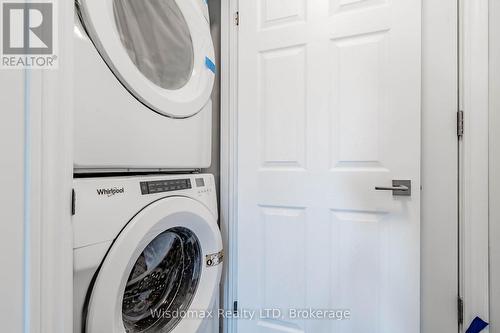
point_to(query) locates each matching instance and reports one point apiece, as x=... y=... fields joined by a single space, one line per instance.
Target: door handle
x=392 y=188
x=398 y=188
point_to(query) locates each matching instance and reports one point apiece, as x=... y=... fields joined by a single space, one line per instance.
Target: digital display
x=200 y=182
x=159 y=186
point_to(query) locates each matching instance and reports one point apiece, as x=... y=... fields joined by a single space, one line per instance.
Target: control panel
x=160 y=186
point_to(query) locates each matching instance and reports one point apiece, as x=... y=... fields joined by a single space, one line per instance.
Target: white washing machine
x=144 y=73
x=147 y=254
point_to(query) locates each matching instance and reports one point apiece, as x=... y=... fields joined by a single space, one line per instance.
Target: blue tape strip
x=477 y=326
x=210 y=64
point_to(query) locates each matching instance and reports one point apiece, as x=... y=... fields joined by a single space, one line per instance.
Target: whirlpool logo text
x=110 y=191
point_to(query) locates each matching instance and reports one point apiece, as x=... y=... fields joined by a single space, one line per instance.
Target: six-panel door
x=329 y=108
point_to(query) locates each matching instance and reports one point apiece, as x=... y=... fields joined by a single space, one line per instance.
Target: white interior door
x=328 y=109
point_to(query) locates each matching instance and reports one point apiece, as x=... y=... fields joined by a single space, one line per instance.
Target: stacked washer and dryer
x=147 y=247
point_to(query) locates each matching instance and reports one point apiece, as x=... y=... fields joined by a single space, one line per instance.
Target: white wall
x=11 y=199
x=495 y=166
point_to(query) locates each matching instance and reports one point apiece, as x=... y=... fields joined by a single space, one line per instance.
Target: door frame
x=229 y=171
x=50 y=185
x=494 y=70
x=229 y=155
x=473 y=163
x=37 y=167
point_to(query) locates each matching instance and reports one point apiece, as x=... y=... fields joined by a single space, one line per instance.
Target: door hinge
x=235 y=307
x=73 y=202
x=237 y=18
x=460 y=124
x=460 y=310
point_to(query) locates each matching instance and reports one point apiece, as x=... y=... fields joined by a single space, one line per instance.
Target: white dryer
x=147 y=254
x=144 y=73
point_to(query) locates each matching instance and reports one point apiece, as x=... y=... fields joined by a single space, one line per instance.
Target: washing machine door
x=165 y=262
x=160 y=50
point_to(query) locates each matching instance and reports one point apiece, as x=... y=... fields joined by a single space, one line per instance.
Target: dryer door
x=165 y=262
x=160 y=50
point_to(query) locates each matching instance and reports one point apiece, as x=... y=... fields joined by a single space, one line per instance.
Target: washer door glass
x=163 y=282
x=157 y=39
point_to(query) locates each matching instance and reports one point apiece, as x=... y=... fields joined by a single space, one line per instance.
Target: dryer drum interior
x=162 y=282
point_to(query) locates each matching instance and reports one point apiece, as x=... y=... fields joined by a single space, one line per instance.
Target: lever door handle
x=392 y=188
x=398 y=188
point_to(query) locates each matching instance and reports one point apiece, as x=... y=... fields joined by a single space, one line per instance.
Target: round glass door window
x=157 y=39
x=163 y=282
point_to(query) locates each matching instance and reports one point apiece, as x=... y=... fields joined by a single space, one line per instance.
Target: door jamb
x=494 y=70
x=474 y=182
x=228 y=155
